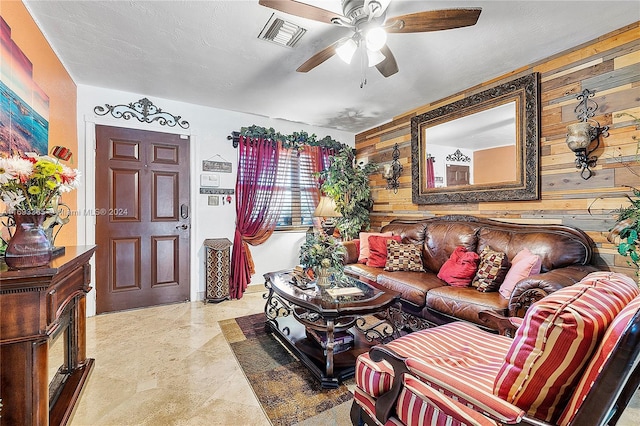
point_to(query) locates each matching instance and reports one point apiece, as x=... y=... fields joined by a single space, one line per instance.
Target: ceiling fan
x=367 y=19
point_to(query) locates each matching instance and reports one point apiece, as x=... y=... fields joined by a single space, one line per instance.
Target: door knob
x=183 y=226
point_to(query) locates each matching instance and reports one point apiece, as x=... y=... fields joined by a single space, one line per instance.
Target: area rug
x=288 y=393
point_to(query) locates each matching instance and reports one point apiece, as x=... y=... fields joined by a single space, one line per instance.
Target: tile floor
x=170 y=365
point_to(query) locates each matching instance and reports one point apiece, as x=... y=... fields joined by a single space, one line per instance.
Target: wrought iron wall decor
x=391 y=172
x=145 y=111
x=458 y=156
x=581 y=135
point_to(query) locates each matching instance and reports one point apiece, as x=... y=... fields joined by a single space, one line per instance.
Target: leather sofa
x=426 y=300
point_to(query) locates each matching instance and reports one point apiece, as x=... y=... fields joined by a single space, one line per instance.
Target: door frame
x=86 y=224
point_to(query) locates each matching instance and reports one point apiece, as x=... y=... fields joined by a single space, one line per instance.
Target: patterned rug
x=288 y=392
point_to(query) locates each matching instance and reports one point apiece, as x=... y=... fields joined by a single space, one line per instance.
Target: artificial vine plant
x=347 y=182
x=296 y=140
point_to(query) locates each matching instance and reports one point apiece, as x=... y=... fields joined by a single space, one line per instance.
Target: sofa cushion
x=363 y=255
x=491 y=271
x=412 y=286
x=378 y=249
x=559 y=334
x=403 y=257
x=465 y=302
x=460 y=268
x=556 y=248
x=523 y=265
x=442 y=238
x=359 y=269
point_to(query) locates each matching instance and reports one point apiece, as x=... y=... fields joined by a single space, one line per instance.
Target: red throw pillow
x=378 y=249
x=364 y=244
x=460 y=268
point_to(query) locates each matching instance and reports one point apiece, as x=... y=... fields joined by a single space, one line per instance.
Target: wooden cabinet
x=36 y=306
x=218 y=265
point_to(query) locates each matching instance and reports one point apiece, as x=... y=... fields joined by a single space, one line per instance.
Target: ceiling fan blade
x=318 y=58
x=389 y=66
x=303 y=10
x=434 y=20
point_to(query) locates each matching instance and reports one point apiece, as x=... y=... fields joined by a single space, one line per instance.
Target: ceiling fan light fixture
x=376 y=7
x=376 y=38
x=346 y=50
x=374 y=57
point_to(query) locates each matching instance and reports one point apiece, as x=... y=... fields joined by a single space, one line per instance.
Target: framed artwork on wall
x=24 y=107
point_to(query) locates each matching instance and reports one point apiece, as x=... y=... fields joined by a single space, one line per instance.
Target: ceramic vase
x=322 y=279
x=29 y=246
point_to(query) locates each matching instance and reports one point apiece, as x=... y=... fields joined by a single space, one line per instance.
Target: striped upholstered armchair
x=574 y=360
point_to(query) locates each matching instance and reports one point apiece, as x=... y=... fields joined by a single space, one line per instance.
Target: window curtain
x=431 y=179
x=258 y=203
x=319 y=160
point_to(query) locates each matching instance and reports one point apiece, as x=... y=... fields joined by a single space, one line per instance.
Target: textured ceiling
x=208 y=53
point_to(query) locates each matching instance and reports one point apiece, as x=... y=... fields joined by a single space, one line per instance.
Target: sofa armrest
x=352 y=254
x=535 y=287
x=495 y=321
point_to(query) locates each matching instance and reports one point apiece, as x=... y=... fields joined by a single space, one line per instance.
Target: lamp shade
x=346 y=50
x=326 y=208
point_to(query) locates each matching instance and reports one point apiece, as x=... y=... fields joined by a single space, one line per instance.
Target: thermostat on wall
x=209 y=180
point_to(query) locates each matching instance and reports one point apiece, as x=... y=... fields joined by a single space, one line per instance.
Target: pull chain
x=363 y=65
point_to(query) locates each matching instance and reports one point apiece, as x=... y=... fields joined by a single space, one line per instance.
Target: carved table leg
x=329 y=348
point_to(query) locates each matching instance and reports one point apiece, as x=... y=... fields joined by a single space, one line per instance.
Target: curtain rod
x=235 y=137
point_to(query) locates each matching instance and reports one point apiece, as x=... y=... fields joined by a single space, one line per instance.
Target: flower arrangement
x=322 y=251
x=31 y=183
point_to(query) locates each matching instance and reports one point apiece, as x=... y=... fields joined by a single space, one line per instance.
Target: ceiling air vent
x=281 y=32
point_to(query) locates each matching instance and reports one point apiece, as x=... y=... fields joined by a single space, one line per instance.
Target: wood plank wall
x=610 y=65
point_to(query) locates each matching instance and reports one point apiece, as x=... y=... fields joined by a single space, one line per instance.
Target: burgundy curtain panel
x=431 y=179
x=258 y=204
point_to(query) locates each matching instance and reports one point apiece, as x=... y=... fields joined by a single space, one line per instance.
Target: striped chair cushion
x=610 y=340
x=459 y=348
x=420 y=404
x=556 y=340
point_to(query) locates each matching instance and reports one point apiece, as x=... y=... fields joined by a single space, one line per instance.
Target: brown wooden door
x=457 y=175
x=142 y=218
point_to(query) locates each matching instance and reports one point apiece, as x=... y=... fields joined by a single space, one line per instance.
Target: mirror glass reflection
x=466 y=150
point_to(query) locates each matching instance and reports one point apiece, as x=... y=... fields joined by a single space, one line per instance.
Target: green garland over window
x=296 y=140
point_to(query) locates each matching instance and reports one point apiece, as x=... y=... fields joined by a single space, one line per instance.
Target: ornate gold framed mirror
x=483 y=147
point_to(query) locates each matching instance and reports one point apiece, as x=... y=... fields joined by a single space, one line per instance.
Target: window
x=301 y=190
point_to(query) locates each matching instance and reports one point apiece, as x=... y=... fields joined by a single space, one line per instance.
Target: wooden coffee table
x=316 y=324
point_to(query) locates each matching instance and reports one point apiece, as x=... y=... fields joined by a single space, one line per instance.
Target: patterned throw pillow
x=492 y=270
x=403 y=257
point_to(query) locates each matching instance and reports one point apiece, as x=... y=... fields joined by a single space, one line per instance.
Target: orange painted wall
x=53 y=78
x=486 y=160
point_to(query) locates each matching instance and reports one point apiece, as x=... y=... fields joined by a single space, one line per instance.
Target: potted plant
x=347 y=183
x=626 y=231
x=322 y=254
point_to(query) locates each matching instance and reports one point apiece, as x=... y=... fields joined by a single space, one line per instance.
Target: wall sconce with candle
x=392 y=171
x=581 y=135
